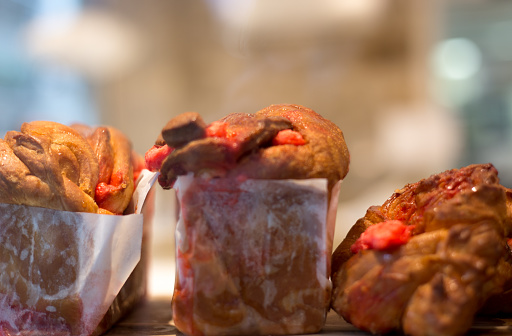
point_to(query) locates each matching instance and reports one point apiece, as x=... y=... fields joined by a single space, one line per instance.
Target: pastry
x=50 y=174
x=51 y=165
x=427 y=260
x=257 y=194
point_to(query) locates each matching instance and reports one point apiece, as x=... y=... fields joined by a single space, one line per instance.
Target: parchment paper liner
x=75 y=265
x=253 y=257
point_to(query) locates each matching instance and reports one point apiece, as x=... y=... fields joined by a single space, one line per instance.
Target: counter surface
x=154 y=318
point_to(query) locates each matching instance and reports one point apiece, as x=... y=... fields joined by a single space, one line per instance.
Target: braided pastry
x=48 y=283
x=426 y=260
x=79 y=168
x=49 y=165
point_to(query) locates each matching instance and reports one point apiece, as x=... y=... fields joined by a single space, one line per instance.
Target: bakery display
x=258 y=196
x=70 y=244
x=427 y=260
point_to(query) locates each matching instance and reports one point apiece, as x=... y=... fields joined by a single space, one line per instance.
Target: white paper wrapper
x=253 y=257
x=60 y=271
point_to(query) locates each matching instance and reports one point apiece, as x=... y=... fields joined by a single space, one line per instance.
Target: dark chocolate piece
x=184 y=128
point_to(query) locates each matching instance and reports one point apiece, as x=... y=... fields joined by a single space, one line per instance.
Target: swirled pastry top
x=278 y=142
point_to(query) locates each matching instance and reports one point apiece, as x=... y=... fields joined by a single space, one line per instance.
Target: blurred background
x=417 y=86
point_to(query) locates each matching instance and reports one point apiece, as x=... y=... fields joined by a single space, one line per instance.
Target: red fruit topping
x=288 y=137
x=383 y=236
x=155 y=156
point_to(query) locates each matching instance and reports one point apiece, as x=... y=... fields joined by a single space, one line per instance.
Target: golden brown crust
x=325 y=154
x=65 y=141
x=48 y=165
x=78 y=168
